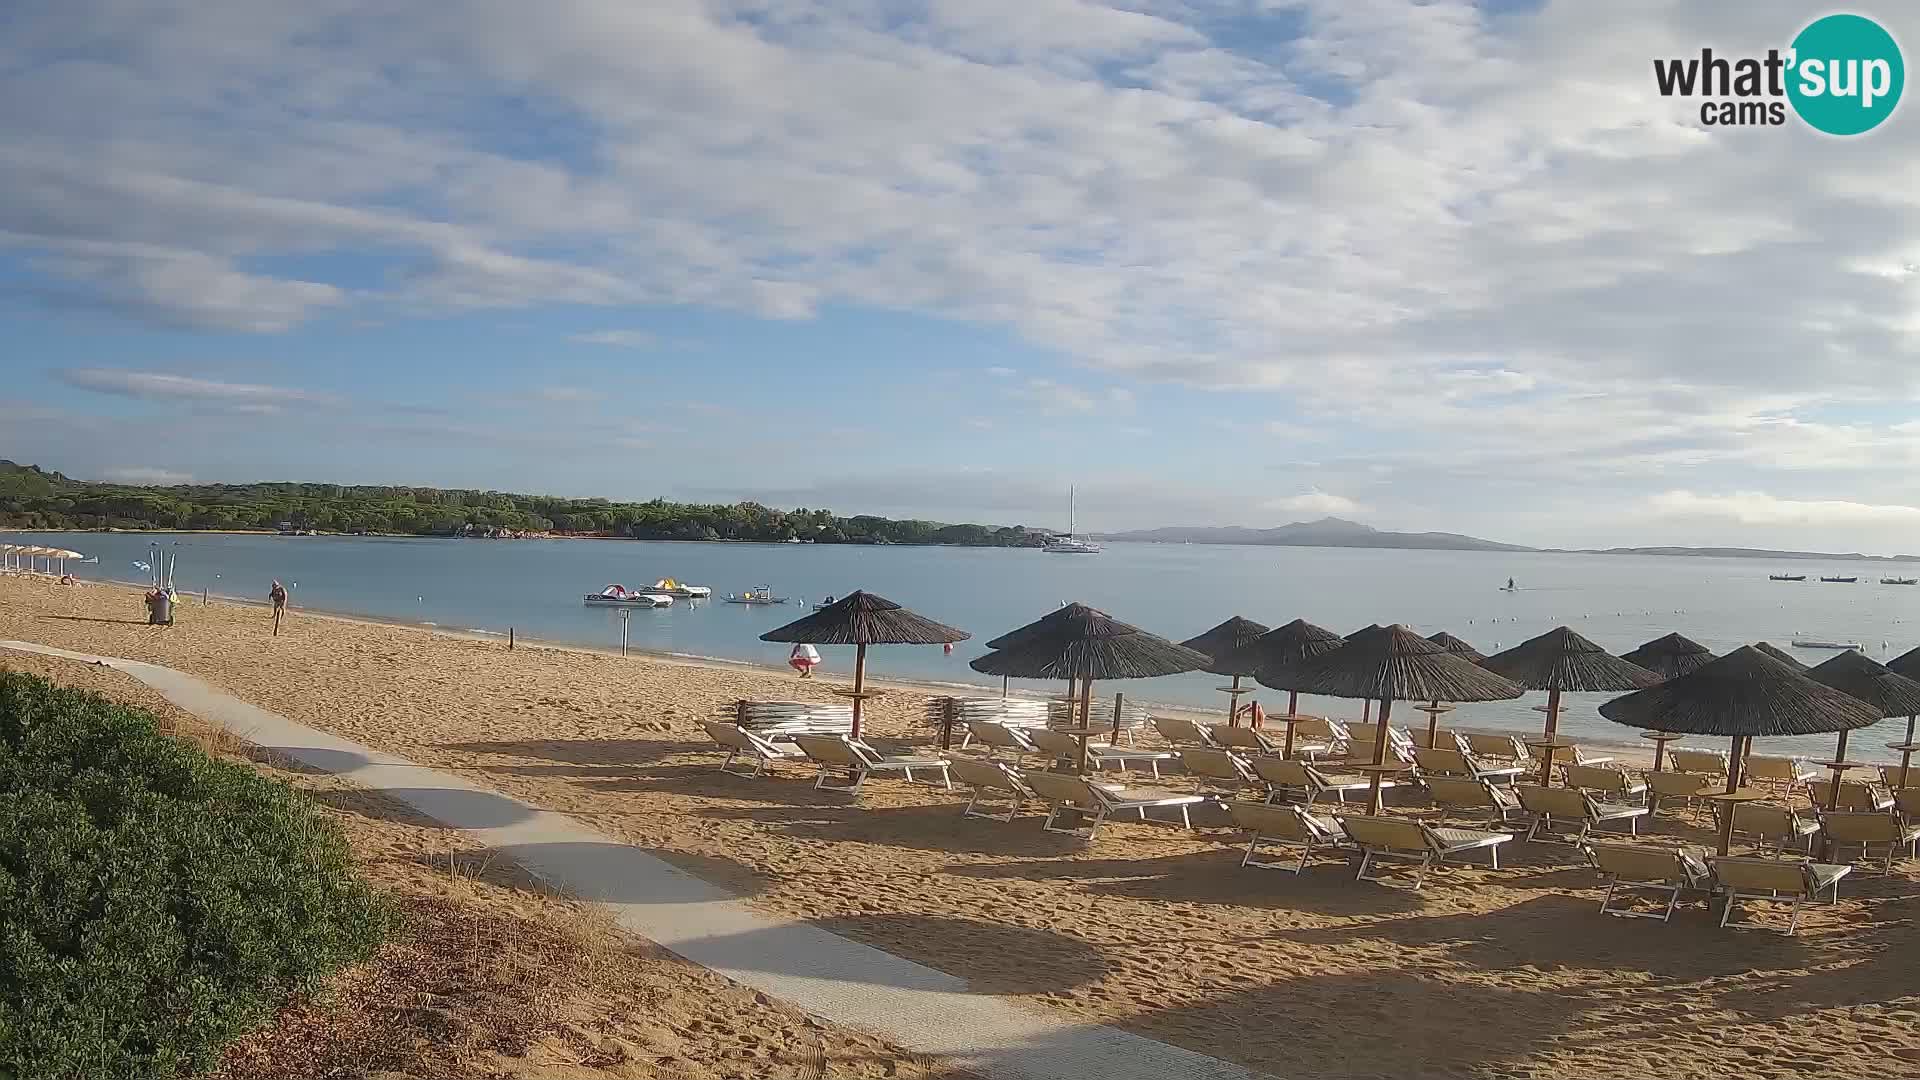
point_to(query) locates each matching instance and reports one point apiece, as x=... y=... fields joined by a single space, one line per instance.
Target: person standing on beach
x=803 y=659
x=278 y=594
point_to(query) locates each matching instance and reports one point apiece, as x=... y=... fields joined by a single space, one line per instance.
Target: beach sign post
x=625 y=615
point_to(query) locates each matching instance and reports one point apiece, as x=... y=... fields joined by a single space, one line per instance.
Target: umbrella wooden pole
x=1086 y=721
x=1833 y=787
x=1233 y=703
x=1734 y=764
x=859 y=678
x=1118 y=700
x=1379 y=754
x=1553 y=725
x=1906 y=756
x=1433 y=723
x=1004 y=679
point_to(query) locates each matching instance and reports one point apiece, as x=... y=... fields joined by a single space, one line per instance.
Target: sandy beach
x=1508 y=973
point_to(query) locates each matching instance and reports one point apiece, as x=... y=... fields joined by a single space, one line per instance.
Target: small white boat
x=1805 y=643
x=667 y=586
x=1067 y=545
x=759 y=594
x=620 y=594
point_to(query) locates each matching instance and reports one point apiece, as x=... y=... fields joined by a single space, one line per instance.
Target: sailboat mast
x=1072 y=525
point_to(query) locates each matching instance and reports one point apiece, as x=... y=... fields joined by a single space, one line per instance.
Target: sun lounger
x=1219 y=768
x=1784 y=774
x=1709 y=763
x=1855 y=795
x=1179 y=731
x=1291 y=777
x=997 y=737
x=738 y=741
x=1667 y=785
x=1097 y=802
x=1246 y=738
x=1867 y=829
x=1495 y=802
x=1609 y=783
x=1500 y=749
x=1380 y=837
x=990 y=779
x=1066 y=748
x=1779 y=826
x=1284 y=826
x=1776 y=879
x=1571 y=755
x=1444 y=738
x=1642 y=866
x=1559 y=808
x=1447 y=761
x=858 y=759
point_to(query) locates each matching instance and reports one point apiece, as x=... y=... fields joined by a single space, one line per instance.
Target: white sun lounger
x=858 y=759
x=1098 y=802
x=1066 y=748
x=738 y=740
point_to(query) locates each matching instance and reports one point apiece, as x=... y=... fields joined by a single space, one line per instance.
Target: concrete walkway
x=828 y=976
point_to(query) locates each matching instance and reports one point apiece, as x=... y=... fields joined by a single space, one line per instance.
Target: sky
x=1426 y=266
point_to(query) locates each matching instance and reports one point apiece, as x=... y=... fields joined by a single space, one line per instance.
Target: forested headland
x=32 y=498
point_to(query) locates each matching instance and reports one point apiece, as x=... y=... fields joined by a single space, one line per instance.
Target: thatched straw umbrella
x=1223 y=643
x=1889 y=691
x=1279 y=650
x=1561 y=660
x=1781 y=655
x=1744 y=695
x=861 y=619
x=1907 y=663
x=1395 y=664
x=1079 y=643
x=1670 y=656
x=1460 y=648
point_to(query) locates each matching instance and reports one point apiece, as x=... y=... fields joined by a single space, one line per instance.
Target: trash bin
x=160 y=608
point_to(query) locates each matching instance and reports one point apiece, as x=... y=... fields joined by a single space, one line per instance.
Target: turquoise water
x=535 y=587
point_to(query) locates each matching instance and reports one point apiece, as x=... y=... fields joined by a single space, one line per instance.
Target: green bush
x=154 y=903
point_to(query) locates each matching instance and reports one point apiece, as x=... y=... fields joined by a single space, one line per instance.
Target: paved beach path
x=923 y=1010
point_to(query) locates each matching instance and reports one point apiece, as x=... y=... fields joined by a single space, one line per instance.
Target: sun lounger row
x=1674 y=872
x=1010 y=712
x=782 y=719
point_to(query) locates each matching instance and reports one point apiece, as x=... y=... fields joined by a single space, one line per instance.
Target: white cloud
x=160 y=386
x=565 y=395
x=1055 y=398
x=147 y=477
x=1314 y=502
x=625 y=339
x=1759 y=508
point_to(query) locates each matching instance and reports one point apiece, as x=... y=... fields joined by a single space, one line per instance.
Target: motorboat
x=1067 y=545
x=1808 y=643
x=1786 y=577
x=1841 y=580
x=759 y=594
x=667 y=586
x=1899 y=581
x=620 y=594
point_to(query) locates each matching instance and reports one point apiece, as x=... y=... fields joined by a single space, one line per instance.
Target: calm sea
x=535 y=586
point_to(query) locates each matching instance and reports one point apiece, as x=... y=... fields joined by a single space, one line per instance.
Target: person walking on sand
x=278 y=594
x=803 y=659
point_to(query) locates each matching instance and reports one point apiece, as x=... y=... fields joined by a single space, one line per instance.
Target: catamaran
x=620 y=594
x=667 y=586
x=1067 y=545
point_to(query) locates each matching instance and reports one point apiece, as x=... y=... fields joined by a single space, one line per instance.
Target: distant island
x=1326 y=532
x=31 y=498
x=1339 y=532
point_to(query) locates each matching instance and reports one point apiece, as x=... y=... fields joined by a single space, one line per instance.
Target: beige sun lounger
x=1066 y=748
x=1777 y=826
x=1246 y=738
x=988 y=779
x=1295 y=778
x=1444 y=738
x=738 y=741
x=1867 y=829
x=1500 y=749
x=1098 y=802
x=1643 y=866
x=1219 y=768
x=1494 y=802
x=1564 y=756
x=1322 y=729
x=1447 y=761
x=1855 y=795
x=1559 y=808
x=997 y=737
x=1284 y=826
x=1776 y=879
x=1380 y=838
x=1667 y=785
x=859 y=759
x=1179 y=731
x=1709 y=763
x=1608 y=782
x=1785 y=774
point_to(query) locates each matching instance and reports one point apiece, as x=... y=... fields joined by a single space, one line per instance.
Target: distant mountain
x=1745 y=553
x=1326 y=532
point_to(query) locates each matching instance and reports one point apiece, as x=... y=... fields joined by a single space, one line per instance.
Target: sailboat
x=1067 y=545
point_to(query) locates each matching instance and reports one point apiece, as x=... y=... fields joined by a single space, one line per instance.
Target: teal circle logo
x=1846 y=74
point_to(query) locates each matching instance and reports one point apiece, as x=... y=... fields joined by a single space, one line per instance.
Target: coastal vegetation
x=155 y=903
x=31 y=498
